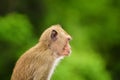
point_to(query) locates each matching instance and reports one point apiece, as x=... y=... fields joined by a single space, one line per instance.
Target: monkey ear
x=54 y=34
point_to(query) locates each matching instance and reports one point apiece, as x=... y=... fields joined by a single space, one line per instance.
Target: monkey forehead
x=67 y=35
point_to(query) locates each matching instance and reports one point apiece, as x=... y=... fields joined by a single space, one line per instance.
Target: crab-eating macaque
x=38 y=63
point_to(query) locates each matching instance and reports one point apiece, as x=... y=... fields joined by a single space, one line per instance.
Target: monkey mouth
x=66 y=50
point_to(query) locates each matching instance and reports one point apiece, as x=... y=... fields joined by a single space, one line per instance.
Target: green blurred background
x=93 y=24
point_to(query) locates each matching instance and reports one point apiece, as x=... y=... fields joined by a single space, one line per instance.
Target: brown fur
x=37 y=62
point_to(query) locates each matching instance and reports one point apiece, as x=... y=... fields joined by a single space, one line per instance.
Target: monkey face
x=60 y=42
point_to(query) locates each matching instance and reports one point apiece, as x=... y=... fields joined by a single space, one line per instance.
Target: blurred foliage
x=94 y=26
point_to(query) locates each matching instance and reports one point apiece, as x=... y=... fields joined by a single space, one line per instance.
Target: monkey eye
x=69 y=38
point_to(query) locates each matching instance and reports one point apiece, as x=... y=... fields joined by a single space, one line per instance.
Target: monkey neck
x=47 y=58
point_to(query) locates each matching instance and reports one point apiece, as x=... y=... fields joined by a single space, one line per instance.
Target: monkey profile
x=38 y=63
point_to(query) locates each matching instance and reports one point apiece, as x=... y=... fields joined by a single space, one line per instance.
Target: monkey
x=39 y=62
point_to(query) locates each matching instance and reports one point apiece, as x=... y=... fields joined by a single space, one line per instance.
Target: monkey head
x=56 y=39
